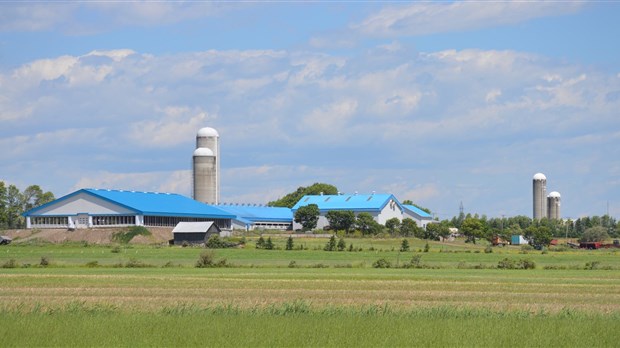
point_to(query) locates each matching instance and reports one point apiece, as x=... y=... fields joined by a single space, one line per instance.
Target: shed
x=518 y=240
x=194 y=232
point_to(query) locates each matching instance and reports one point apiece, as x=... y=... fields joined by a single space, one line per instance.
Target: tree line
x=13 y=203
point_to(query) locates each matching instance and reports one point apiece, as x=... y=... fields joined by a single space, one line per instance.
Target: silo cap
x=203 y=152
x=207 y=132
x=554 y=194
x=540 y=176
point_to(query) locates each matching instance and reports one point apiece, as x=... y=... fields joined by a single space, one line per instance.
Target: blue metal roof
x=356 y=202
x=417 y=210
x=149 y=203
x=258 y=213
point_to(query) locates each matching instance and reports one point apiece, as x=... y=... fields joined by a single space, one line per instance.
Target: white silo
x=209 y=138
x=553 y=205
x=540 y=196
x=204 y=175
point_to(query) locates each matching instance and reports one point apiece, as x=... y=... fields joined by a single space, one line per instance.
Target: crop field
x=85 y=295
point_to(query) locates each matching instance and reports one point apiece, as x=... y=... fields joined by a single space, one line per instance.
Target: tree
x=289 y=243
x=331 y=244
x=289 y=200
x=366 y=224
x=341 y=220
x=307 y=216
x=538 y=237
x=260 y=243
x=595 y=234
x=341 y=244
x=404 y=246
x=408 y=227
x=269 y=244
x=3 y=203
x=472 y=228
x=435 y=231
x=392 y=224
x=14 y=207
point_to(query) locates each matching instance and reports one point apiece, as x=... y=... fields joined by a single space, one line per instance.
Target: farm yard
x=78 y=294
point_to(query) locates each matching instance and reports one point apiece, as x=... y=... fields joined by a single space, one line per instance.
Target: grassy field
x=456 y=296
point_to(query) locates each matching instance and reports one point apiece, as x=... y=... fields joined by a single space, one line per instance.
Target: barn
x=194 y=232
x=92 y=208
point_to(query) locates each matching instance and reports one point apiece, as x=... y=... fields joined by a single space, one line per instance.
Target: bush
x=507 y=263
x=292 y=264
x=414 y=262
x=331 y=244
x=44 y=261
x=341 y=245
x=92 y=264
x=260 y=243
x=207 y=260
x=10 y=264
x=289 y=243
x=382 y=263
x=134 y=263
x=116 y=249
x=404 y=245
x=488 y=250
x=427 y=247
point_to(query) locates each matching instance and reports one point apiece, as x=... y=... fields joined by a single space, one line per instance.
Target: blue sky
x=437 y=102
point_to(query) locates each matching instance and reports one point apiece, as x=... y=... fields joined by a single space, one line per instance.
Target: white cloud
x=423 y=18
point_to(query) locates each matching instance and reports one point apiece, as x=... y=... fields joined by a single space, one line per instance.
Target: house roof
x=417 y=211
x=148 y=203
x=193 y=227
x=250 y=213
x=355 y=202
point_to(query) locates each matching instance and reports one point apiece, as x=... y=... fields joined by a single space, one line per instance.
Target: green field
x=154 y=296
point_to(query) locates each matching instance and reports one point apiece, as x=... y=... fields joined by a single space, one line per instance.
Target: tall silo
x=209 y=138
x=205 y=175
x=540 y=196
x=553 y=205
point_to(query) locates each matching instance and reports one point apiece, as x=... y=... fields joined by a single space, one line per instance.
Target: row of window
x=50 y=221
x=114 y=220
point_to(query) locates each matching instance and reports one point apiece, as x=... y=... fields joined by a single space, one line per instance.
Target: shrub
x=427 y=247
x=292 y=264
x=507 y=263
x=207 y=260
x=351 y=247
x=289 y=243
x=10 y=264
x=488 y=250
x=382 y=263
x=269 y=244
x=134 y=263
x=92 y=264
x=592 y=265
x=414 y=262
x=44 y=261
x=260 y=243
x=116 y=249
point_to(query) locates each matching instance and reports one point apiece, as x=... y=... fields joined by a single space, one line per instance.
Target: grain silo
x=204 y=175
x=209 y=138
x=553 y=205
x=540 y=196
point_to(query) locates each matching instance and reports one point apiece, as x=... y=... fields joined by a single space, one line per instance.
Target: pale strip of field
x=155 y=289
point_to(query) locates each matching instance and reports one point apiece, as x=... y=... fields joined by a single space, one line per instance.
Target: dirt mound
x=158 y=235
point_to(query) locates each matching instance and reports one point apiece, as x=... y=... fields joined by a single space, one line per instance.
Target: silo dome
x=207 y=132
x=554 y=194
x=540 y=176
x=203 y=152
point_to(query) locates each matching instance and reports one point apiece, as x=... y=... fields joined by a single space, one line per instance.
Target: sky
x=436 y=102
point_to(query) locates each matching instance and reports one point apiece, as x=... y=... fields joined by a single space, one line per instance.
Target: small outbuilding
x=518 y=240
x=194 y=232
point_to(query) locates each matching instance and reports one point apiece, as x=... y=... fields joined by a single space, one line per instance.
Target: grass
x=260 y=301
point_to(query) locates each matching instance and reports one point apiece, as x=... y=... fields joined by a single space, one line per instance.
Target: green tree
x=260 y=243
x=341 y=244
x=289 y=243
x=331 y=244
x=3 y=205
x=290 y=199
x=472 y=228
x=538 y=237
x=33 y=196
x=595 y=234
x=404 y=246
x=408 y=227
x=269 y=244
x=341 y=220
x=14 y=207
x=307 y=216
x=392 y=224
x=366 y=224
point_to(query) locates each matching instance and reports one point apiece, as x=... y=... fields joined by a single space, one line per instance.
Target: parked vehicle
x=4 y=240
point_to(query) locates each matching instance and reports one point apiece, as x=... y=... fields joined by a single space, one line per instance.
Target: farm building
x=194 y=232
x=382 y=207
x=518 y=240
x=91 y=208
x=251 y=217
x=418 y=215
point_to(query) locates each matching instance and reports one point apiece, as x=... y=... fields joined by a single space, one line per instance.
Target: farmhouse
x=382 y=207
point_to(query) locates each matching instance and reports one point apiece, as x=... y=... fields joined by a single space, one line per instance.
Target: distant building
x=254 y=217
x=418 y=215
x=553 y=205
x=539 y=183
x=382 y=207
x=206 y=166
x=194 y=232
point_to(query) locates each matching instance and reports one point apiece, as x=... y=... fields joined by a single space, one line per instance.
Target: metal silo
x=553 y=205
x=205 y=175
x=540 y=196
x=209 y=138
